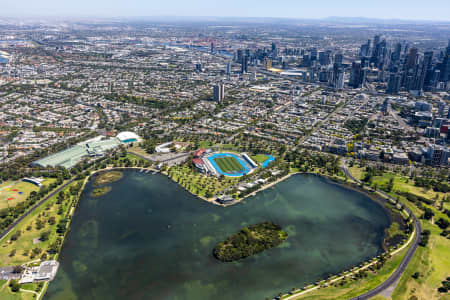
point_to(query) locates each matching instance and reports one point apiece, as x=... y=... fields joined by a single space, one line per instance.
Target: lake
x=150 y=239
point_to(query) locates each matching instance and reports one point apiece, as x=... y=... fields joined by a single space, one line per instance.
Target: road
x=29 y=211
x=399 y=119
x=393 y=279
x=231 y=137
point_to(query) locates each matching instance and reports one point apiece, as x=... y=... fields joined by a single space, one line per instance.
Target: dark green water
x=150 y=239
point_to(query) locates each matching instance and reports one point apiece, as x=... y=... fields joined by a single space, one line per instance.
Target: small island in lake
x=250 y=241
x=107 y=177
x=100 y=191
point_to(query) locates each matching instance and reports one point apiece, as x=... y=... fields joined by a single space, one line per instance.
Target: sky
x=301 y=9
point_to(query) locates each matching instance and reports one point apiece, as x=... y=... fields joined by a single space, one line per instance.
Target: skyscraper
x=239 y=55
x=411 y=59
x=397 y=52
x=445 y=66
x=425 y=70
x=364 y=50
x=324 y=58
x=313 y=54
x=338 y=59
x=393 y=85
x=244 y=64
x=355 y=75
x=340 y=80
x=219 y=92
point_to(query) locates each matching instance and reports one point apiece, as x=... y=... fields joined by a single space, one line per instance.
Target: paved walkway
x=387 y=287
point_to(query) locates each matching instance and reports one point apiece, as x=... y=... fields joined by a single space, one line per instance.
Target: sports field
x=228 y=164
x=14 y=192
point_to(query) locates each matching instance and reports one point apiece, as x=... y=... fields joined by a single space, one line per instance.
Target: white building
x=128 y=137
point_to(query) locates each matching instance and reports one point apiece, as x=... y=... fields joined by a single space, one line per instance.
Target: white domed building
x=127 y=137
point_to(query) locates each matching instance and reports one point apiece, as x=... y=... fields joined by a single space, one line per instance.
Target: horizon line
x=330 y=18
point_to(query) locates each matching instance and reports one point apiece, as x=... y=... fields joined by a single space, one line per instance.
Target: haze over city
x=382 y=9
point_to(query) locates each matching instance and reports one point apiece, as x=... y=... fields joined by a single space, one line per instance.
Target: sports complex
x=94 y=147
x=226 y=163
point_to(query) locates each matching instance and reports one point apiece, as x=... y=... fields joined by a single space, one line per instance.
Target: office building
x=219 y=92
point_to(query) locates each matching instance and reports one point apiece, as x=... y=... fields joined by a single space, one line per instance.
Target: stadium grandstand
x=249 y=160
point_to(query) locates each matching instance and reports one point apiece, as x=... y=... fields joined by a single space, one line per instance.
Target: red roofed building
x=197 y=161
x=199 y=153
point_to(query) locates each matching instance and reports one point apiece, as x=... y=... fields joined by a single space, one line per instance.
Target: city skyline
x=433 y=10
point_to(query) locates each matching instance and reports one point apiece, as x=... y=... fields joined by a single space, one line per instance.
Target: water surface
x=150 y=239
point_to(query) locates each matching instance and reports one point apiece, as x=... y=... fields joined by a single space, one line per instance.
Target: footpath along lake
x=150 y=239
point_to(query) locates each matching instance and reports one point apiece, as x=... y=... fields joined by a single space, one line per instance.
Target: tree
x=54 y=247
x=16 y=235
x=61 y=197
x=390 y=185
x=442 y=223
x=15 y=286
x=428 y=213
x=39 y=224
x=37 y=251
x=44 y=236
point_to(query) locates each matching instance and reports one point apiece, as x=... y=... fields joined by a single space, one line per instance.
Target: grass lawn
x=7 y=294
x=204 y=144
x=134 y=158
x=432 y=261
x=24 y=244
x=228 y=164
x=260 y=158
x=404 y=184
x=138 y=150
x=433 y=264
x=10 y=190
x=353 y=288
x=401 y=183
x=227 y=146
x=356 y=171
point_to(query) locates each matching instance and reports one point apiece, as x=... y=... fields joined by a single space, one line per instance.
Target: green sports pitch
x=228 y=164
